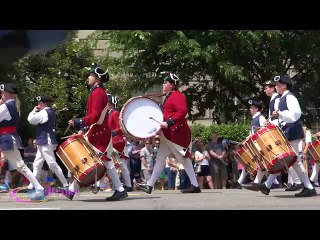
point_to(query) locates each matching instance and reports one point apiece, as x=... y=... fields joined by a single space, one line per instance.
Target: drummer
x=257 y=121
x=289 y=114
x=119 y=140
x=98 y=132
x=175 y=135
x=270 y=90
x=44 y=117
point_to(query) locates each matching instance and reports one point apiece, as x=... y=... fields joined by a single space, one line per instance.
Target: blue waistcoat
x=46 y=128
x=292 y=131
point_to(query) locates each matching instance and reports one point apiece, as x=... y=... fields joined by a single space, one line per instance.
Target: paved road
x=162 y=200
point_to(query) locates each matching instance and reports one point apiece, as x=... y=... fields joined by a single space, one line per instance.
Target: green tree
x=60 y=74
x=225 y=65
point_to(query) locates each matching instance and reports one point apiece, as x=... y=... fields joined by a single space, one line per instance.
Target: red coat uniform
x=118 y=138
x=174 y=113
x=99 y=135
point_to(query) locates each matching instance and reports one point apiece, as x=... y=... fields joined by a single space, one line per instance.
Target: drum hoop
x=313 y=150
x=122 y=111
x=260 y=132
x=315 y=143
x=70 y=140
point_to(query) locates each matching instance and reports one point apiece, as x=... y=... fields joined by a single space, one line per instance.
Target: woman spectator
x=201 y=157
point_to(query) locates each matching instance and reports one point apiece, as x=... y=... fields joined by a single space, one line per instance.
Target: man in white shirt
x=44 y=117
x=258 y=121
x=10 y=140
x=289 y=114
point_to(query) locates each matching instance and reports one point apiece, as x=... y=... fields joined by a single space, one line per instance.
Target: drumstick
x=70 y=136
x=67 y=129
x=67 y=136
x=154 y=120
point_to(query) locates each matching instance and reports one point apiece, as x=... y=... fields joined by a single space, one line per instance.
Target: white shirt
x=276 y=107
x=308 y=140
x=4 y=112
x=276 y=102
x=200 y=155
x=262 y=120
x=40 y=117
x=294 y=111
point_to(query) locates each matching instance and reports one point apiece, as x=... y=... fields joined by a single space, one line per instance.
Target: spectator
x=135 y=162
x=217 y=164
x=171 y=171
x=201 y=157
x=30 y=152
x=183 y=177
x=146 y=160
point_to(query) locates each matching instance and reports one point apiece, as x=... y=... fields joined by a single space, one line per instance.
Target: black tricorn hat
x=283 y=79
x=256 y=103
x=44 y=99
x=97 y=71
x=112 y=99
x=9 y=87
x=269 y=83
x=170 y=77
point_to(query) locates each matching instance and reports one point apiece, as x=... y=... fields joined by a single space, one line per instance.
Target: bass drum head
x=135 y=117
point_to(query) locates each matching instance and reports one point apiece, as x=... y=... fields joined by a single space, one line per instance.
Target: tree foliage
x=60 y=74
x=226 y=65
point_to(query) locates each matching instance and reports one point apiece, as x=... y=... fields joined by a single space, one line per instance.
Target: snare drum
x=135 y=119
x=245 y=157
x=81 y=160
x=314 y=150
x=272 y=148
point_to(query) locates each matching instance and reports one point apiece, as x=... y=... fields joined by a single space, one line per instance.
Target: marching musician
x=98 y=132
x=289 y=114
x=44 y=117
x=119 y=140
x=269 y=89
x=10 y=140
x=294 y=182
x=258 y=121
x=175 y=136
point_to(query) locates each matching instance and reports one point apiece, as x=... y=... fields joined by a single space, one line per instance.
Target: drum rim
x=260 y=132
x=69 y=140
x=315 y=143
x=121 y=117
x=279 y=158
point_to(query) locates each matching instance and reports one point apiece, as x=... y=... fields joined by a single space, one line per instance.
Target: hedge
x=234 y=132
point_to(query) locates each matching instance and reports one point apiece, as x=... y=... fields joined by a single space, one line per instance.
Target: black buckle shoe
x=192 y=189
x=94 y=190
x=235 y=184
x=251 y=186
x=117 y=196
x=66 y=192
x=263 y=188
x=128 y=189
x=144 y=187
x=295 y=187
x=306 y=192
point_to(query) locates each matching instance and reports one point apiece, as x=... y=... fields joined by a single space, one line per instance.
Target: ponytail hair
x=18 y=104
